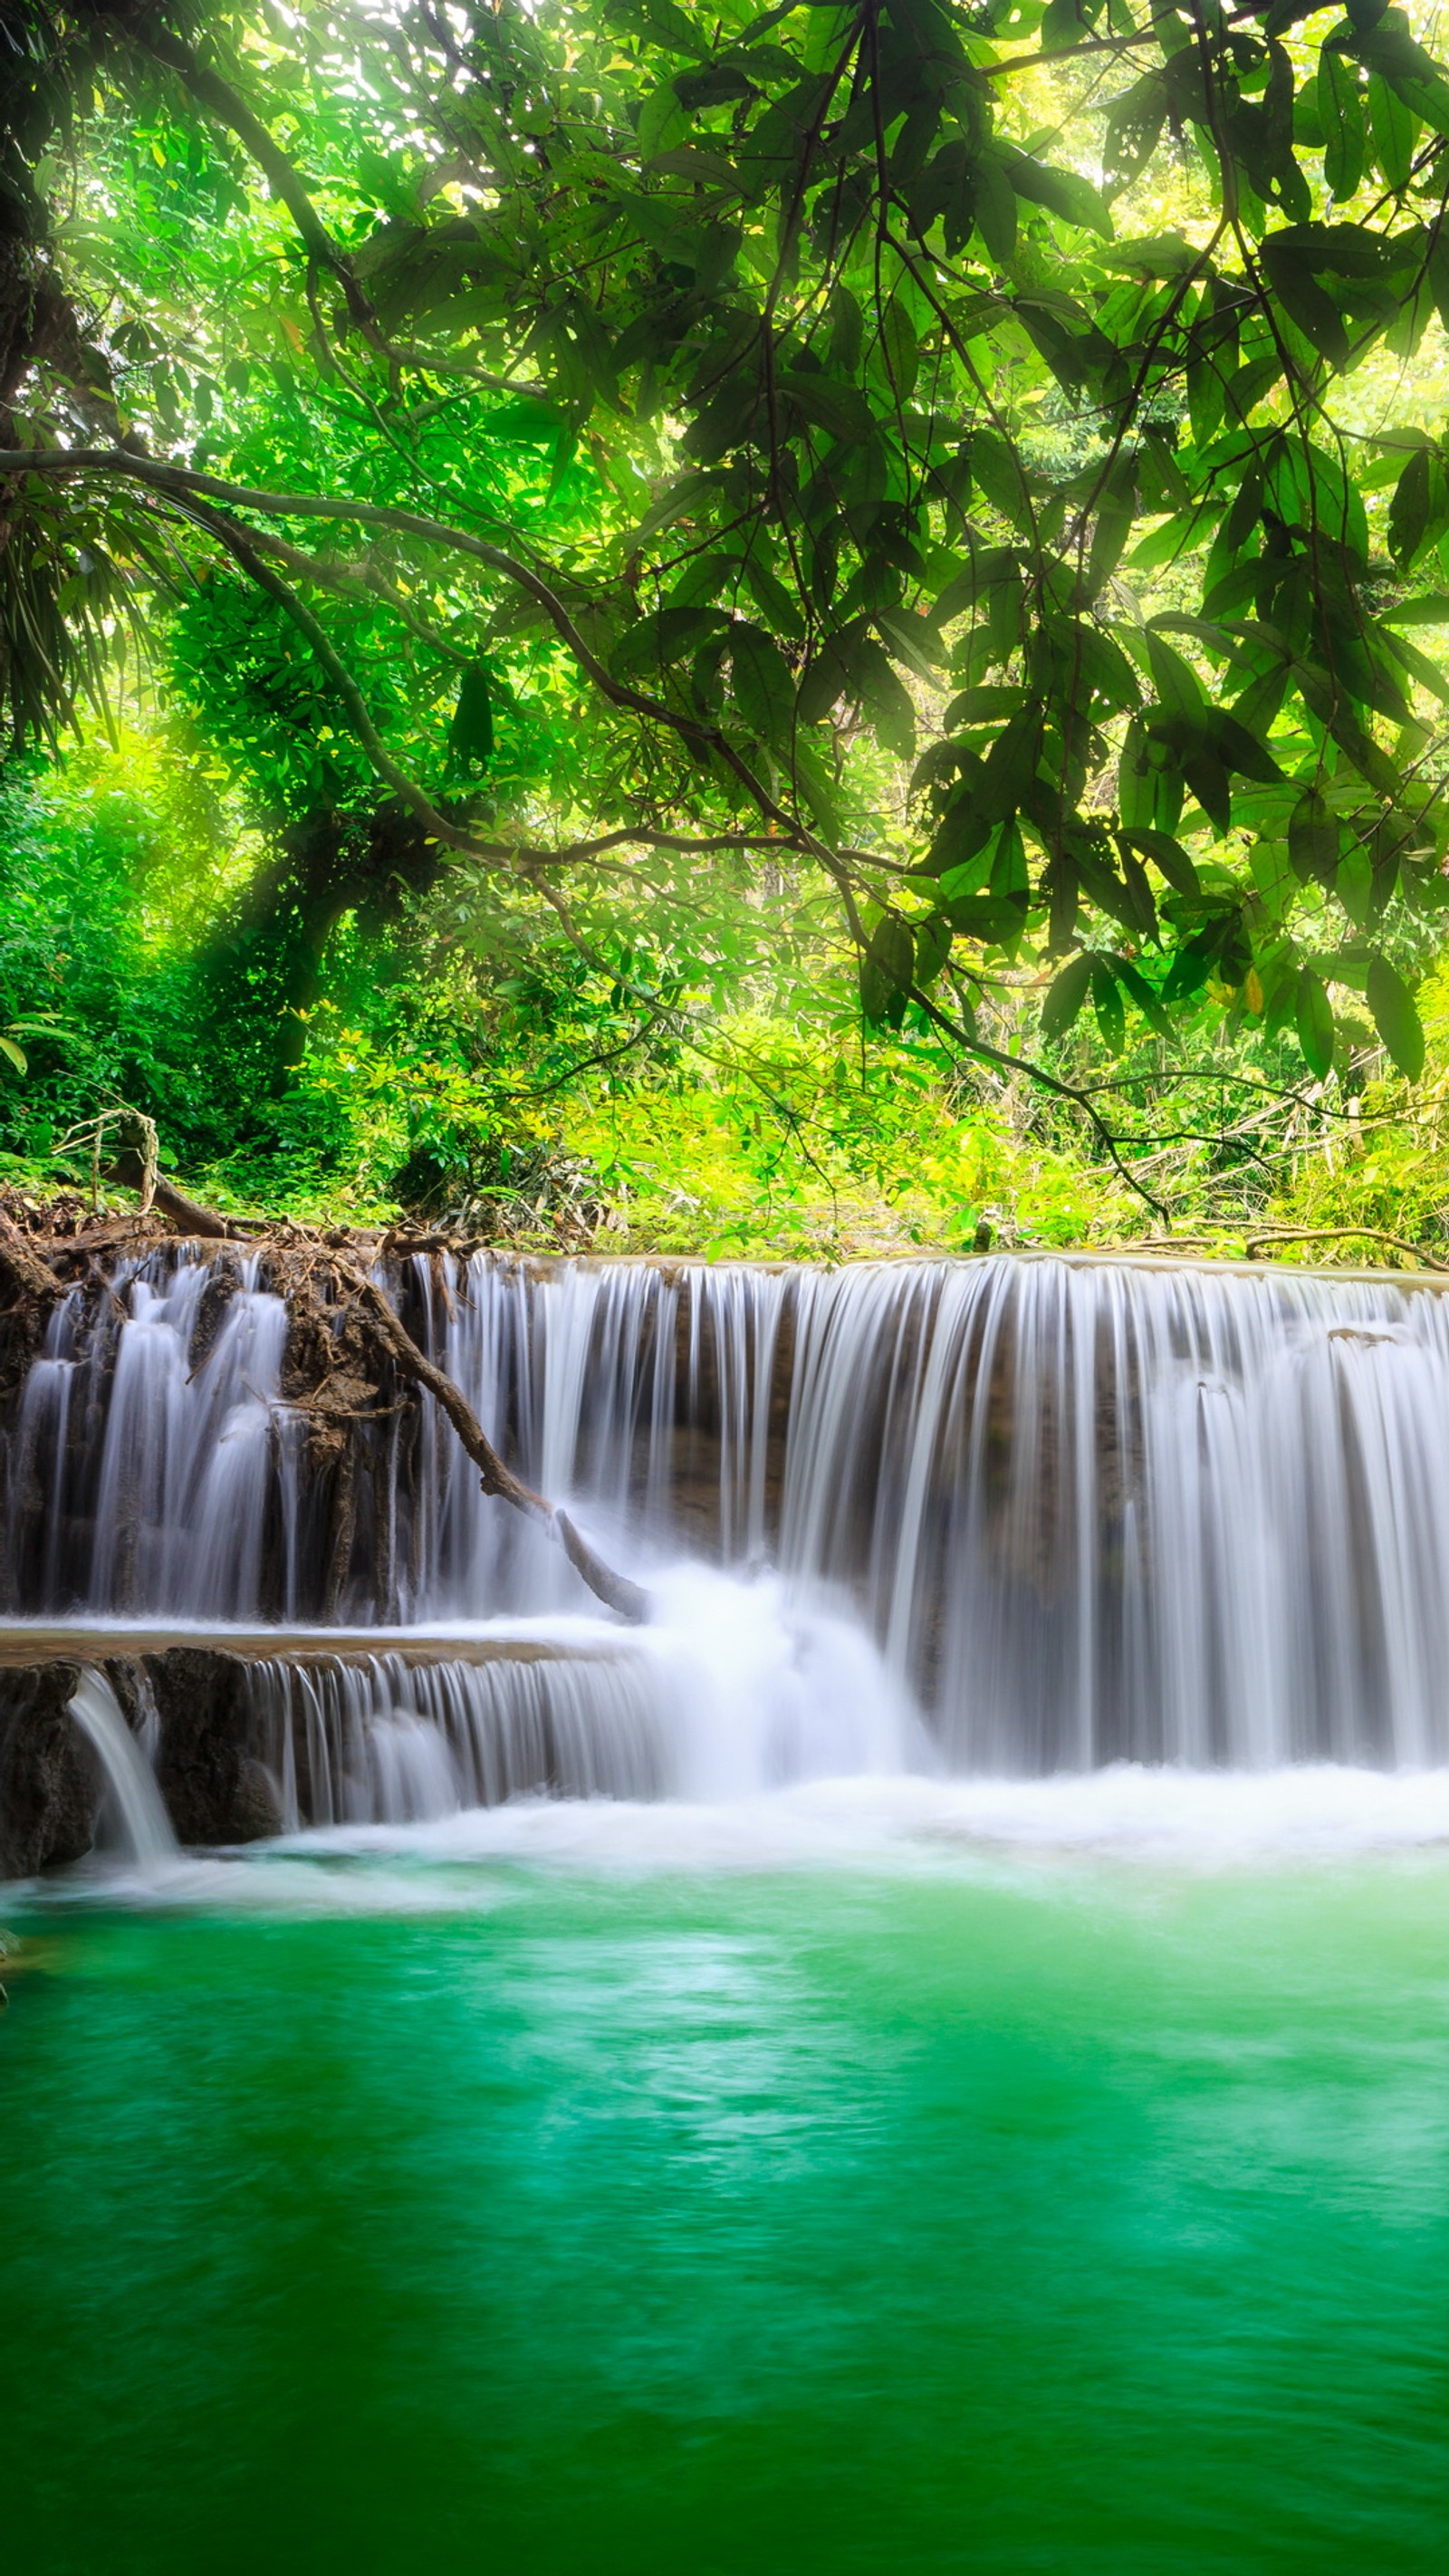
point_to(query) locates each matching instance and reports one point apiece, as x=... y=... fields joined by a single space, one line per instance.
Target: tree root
x=185 y=1214
x=28 y=1278
x=327 y=1380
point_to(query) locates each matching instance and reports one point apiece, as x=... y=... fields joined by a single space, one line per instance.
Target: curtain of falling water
x=151 y=1452
x=374 y=1740
x=1089 y=1510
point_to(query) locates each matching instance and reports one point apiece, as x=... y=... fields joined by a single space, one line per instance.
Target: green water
x=1019 y=2219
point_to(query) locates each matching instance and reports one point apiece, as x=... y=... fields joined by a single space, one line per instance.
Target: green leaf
x=470 y=735
x=827 y=404
x=663 y=121
x=762 y=682
x=685 y=493
x=816 y=782
x=1148 y=1001
x=1011 y=766
x=1354 y=885
x=969 y=875
x=1209 y=782
x=1166 y=854
x=1154 y=255
x=825 y=682
x=1395 y=1017
x=714 y=168
x=960 y=840
x=13 y=1054
x=1419 y=667
x=1341 y=108
x=1175 y=681
x=847 y=331
x=1109 y=538
x=1409 y=509
x=1240 y=750
x=1369 y=759
x=1313 y=1013
x=994 y=203
x=899 y=349
x=1305 y=301
x=1312 y=839
x=989 y=920
x=1134 y=127
x=1273 y=876
x=1107 y=1003
x=1069 y=991
x=1009 y=876
x=1247 y=388
x=886 y=969
x=1431 y=609
x=913 y=642
x=1064 y=193
x=1392 y=127
x=773 y=600
x=1001 y=474
x=660 y=640
x=986 y=704
x=933 y=948
x=886 y=699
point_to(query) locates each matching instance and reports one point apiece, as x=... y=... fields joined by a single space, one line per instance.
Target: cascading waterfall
x=154 y=1436
x=138 y=1815
x=1070 y=1511
x=377 y=1739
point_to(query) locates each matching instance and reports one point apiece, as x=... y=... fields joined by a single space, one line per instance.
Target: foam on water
x=1166 y=1555
x=1128 y=1821
x=134 y=1802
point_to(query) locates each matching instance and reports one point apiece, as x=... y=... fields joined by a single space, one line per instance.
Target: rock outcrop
x=50 y=1788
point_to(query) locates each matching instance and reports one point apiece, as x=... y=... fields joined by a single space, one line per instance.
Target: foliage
x=522 y=1095
x=512 y=1090
x=1388 y=1168
x=699 y=392
x=659 y=534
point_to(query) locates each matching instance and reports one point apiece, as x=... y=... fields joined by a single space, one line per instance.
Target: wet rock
x=49 y=1786
x=214 y=1788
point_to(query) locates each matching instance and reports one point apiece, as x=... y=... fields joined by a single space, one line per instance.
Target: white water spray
x=144 y=1825
x=1074 y=1513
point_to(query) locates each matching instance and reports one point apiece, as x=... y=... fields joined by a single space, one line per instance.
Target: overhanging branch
x=190 y=492
x=230 y=109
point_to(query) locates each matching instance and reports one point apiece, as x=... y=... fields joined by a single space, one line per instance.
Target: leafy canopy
x=949 y=453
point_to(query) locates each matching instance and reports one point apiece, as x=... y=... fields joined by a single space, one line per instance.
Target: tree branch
x=616 y=1590
x=189 y=492
x=1260 y=1241
x=1048 y=1082
x=231 y=110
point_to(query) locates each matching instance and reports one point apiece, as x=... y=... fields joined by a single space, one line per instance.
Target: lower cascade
x=139 y=1814
x=1007 y=1515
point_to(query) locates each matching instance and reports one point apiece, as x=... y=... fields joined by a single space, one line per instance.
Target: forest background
x=806 y=631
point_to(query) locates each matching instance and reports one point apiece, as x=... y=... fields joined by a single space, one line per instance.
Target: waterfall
x=131 y=1789
x=1090 y=1511
x=725 y=1696
x=1077 y=1511
x=378 y=1739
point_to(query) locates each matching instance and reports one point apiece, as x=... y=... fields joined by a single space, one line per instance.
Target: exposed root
x=345 y=1341
x=25 y=1275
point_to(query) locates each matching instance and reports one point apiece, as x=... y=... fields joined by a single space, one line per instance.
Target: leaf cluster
x=801 y=424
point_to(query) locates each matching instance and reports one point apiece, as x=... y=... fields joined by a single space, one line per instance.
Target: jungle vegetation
x=744 y=627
